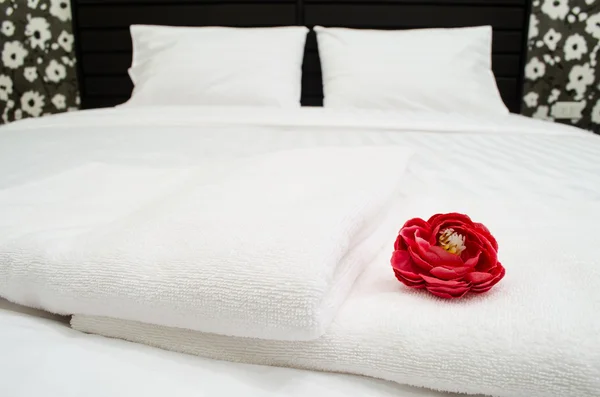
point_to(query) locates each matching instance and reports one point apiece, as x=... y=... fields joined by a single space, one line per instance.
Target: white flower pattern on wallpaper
x=30 y=73
x=576 y=14
x=556 y=9
x=38 y=32
x=35 y=39
x=65 y=40
x=32 y=102
x=59 y=101
x=13 y=54
x=7 y=28
x=542 y=113
x=592 y=26
x=551 y=39
x=55 y=71
x=531 y=99
x=575 y=47
x=533 y=26
x=562 y=65
x=580 y=78
x=61 y=9
x=535 y=69
x=550 y=60
x=553 y=97
x=6 y=87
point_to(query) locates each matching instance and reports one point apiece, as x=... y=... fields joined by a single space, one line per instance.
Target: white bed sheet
x=41 y=356
x=510 y=157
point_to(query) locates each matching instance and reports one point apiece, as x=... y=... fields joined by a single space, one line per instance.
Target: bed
x=84 y=195
x=554 y=155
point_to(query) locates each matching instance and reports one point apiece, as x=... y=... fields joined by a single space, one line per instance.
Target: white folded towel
x=264 y=246
x=536 y=334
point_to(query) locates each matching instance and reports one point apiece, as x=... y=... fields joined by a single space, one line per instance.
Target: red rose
x=449 y=255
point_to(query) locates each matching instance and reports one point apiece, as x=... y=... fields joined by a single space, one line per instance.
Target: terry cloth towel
x=265 y=246
x=535 y=334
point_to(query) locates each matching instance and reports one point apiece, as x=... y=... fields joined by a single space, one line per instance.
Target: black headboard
x=103 y=43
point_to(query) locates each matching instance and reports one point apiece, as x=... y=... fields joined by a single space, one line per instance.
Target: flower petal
x=401 y=260
x=416 y=222
x=440 y=294
x=400 y=244
x=486 y=286
x=418 y=261
x=489 y=255
x=413 y=228
x=479 y=277
x=448 y=293
x=451 y=216
x=445 y=273
x=437 y=256
x=482 y=229
x=409 y=276
x=473 y=249
x=408 y=282
x=436 y=282
x=458 y=227
x=406 y=234
x=404 y=269
x=472 y=262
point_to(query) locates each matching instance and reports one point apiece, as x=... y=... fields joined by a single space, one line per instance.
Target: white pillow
x=442 y=70
x=217 y=66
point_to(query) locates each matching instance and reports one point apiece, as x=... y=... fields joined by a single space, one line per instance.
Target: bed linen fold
x=121 y=369
x=535 y=333
x=264 y=246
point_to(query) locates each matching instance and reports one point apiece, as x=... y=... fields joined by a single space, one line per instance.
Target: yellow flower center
x=452 y=242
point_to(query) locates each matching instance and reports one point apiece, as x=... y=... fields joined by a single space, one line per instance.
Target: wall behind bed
x=41 y=77
x=562 y=66
x=37 y=72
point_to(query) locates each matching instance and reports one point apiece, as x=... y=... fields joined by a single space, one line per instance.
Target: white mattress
x=41 y=356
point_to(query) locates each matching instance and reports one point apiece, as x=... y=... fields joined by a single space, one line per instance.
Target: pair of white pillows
x=440 y=70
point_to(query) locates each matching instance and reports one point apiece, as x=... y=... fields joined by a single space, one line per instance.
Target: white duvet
x=536 y=185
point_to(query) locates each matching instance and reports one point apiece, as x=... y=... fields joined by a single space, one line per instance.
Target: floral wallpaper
x=562 y=65
x=37 y=73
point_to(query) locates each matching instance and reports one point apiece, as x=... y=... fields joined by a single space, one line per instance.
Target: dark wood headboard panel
x=104 y=46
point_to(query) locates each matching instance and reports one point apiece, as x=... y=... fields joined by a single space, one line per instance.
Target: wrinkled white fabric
x=535 y=334
x=265 y=245
x=498 y=343
x=44 y=357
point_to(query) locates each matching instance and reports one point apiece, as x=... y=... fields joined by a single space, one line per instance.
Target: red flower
x=449 y=255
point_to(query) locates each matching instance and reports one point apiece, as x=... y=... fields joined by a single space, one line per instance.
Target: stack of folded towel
x=283 y=259
x=535 y=334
